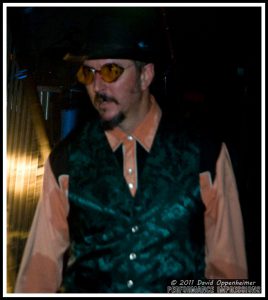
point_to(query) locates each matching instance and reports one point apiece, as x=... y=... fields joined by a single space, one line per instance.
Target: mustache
x=100 y=98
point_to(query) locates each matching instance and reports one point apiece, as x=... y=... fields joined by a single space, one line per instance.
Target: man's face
x=119 y=99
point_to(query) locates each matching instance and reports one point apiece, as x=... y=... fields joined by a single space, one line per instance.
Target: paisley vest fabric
x=125 y=244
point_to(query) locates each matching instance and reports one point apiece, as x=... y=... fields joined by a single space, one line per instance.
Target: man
x=129 y=203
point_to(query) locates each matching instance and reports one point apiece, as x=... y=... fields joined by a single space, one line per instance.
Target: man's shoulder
x=60 y=153
x=207 y=142
x=75 y=136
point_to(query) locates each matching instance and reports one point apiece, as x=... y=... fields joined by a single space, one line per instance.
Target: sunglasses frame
x=119 y=71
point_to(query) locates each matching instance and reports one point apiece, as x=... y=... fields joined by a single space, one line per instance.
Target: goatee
x=109 y=125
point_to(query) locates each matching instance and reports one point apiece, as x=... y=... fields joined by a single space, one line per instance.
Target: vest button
x=130 y=185
x=130 y=171
x=134 y=228
x=130 y=138
x=130 y=283
x=132 y=256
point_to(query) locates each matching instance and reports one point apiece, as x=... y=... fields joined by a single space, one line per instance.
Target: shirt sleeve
x=42 y=262
x=224 y=231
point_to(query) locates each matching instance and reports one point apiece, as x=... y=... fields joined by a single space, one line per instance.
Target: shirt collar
x=144 y=133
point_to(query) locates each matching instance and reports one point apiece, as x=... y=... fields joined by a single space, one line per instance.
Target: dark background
x=212 y=80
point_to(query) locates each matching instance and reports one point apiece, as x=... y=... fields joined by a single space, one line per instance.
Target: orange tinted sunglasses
x=109 y=73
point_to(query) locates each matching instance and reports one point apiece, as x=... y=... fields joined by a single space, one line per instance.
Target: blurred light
x=68 y=121
x=19 y=170
x=141 y=44
x=21 y=74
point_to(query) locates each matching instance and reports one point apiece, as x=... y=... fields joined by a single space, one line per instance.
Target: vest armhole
x=209 y=153
x=58 y=159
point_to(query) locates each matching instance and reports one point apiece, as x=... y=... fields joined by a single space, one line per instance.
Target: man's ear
x=147 y=76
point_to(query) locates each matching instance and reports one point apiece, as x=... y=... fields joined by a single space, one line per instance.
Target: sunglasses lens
x=88 y=74
x=85 y=75
x=111 y=72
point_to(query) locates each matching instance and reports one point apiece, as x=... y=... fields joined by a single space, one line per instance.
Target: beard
x=116 y=120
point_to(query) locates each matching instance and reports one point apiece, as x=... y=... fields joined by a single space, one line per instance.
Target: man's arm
x=224 y=231
x=42 y=262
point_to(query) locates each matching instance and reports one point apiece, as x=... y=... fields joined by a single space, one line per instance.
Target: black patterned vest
x=121 y=244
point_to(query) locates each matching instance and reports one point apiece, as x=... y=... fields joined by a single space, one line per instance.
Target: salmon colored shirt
x=225 y=257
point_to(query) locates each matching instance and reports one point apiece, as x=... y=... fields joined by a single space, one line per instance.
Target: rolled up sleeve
x=224 y=231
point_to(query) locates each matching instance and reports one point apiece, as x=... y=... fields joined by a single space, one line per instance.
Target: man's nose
x=98 y=83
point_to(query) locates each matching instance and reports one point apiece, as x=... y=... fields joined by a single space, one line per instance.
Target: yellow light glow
x=20 y=172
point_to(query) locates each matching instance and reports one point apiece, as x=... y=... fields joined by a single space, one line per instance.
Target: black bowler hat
x=130 y=33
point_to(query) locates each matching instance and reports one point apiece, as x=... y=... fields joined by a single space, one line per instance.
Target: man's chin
x=109 y=124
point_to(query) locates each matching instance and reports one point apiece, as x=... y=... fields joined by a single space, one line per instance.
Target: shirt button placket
x=129 y=163
x=132 y=256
